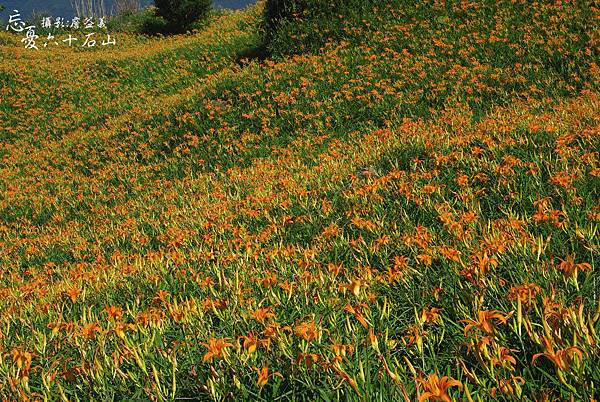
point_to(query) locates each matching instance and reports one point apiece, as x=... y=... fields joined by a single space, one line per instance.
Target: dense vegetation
x=181 y=14
x=301 y=26
x=407 y=209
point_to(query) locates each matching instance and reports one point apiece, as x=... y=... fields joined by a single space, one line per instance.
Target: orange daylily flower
x=400 y=262
x=483 y=261
x=263 y=376
x=89 y=331
x=524 y=293
x=307 y=331
x=450 y=253
x=250 y=343
x=120 y=328
x=21 y=358
x=481 y=345
x=416 y=336
x=262 y=314
x=273 y=329
x=357 y=312
x=331 y=230
x=341 y=349
x=484 y=321
x=504 y=358
x=354 y=286
x=373 y=340
x=114 y=313
x=161 y=296
x=347 y=378
x=308 y=359
x=73 y=293
x=430 y=315
x=216 y=348
x=506 y=385
x=569 y=268
x=436 y=389
x=425 y=259
x=210 y=304
x=562 y=358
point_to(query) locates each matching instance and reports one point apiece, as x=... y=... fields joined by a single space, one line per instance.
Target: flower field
x=410 y=212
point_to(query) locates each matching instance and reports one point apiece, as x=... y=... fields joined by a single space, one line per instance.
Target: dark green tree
x=181 y=14
x=300 y=26
x=277 y=11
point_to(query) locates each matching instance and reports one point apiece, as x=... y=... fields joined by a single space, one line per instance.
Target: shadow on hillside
x=258 y=53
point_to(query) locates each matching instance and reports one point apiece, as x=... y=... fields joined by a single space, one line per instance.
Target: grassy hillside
x=407 y=209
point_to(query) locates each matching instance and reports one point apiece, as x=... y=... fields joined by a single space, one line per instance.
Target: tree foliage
x=299 y=26
x=181 y=14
